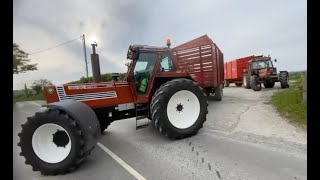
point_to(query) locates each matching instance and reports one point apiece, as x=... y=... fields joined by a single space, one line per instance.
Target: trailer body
x=233 y=70
x=203 y=60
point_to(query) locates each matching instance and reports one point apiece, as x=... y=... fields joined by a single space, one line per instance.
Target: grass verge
x=290 y=103
x=20 y=98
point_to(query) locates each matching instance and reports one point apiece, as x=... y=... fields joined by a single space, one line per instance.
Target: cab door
x=143 y=75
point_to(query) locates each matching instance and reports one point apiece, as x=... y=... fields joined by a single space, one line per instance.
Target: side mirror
x=275 y=60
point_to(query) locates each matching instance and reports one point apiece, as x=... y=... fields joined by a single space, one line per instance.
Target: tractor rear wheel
x=52 y=142
x=284 y=79
x=268 y=84
x=179 y=108
x=254 y=83
x=246 y=81
x=238 y=84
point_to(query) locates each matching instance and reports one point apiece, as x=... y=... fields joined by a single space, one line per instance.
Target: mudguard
x=84 y=116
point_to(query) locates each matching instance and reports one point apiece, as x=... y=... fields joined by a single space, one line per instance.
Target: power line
x=54 y=46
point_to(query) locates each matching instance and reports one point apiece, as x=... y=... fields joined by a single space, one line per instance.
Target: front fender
x=85 y=118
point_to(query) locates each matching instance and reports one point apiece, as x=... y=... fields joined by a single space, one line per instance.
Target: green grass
x=22 y=97
x=290 y=103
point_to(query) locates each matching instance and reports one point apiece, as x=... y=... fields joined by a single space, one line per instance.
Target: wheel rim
x=244 y=81
x=51 y=143
x=183 y=109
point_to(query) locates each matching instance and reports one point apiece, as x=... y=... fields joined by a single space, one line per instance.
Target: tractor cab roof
x=260 y=58
x=144 y=48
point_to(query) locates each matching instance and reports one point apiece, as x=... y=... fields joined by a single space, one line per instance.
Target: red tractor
x=167 y=86
x=260 y=70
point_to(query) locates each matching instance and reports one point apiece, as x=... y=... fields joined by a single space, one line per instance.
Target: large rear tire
x=52 y=142
x=246 y=81
x=254 y=83
x=284 y=79
x=179 y=108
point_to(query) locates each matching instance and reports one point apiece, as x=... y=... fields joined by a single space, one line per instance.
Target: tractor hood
x=93 y=94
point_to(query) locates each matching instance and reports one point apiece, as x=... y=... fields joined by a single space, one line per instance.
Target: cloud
x=239 y=28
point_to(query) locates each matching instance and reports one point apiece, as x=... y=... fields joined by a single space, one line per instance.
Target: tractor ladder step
x=142 y=114
x=143 y=122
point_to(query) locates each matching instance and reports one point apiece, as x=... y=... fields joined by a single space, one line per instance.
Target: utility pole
x=85 y=53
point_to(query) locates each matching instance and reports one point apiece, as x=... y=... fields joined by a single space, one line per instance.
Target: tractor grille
x=86 y=96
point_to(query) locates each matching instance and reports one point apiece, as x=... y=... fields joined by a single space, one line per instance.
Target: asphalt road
x=243 y=138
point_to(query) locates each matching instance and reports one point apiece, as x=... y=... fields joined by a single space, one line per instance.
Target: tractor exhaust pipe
x=95 y=64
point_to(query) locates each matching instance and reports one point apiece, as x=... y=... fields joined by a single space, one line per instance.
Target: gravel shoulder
x=247 y=115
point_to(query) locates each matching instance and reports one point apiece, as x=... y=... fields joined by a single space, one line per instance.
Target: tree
x=21 y=61
x=27 y=91
x=38 y=85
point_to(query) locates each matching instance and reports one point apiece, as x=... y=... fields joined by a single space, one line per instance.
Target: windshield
x=261 y=64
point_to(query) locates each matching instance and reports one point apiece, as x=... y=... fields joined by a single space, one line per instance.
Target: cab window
x=166 y=62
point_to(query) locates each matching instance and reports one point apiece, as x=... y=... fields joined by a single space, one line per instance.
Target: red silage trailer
x=233 y=70
x=203 y=60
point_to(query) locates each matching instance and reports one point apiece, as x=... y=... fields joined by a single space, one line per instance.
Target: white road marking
x=121 y=162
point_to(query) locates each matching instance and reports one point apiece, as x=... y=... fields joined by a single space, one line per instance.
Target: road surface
x=243 y=138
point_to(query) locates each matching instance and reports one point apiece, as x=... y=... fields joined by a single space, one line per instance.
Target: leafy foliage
x=38 y=85
x=21 y=61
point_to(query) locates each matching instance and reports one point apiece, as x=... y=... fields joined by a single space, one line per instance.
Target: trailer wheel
x=226 y=83
x=284 y=79
x=208 y=91
x=246 y=81
x=52 y=142
x=179 y=108
x=238 y=84
x=268 y=84
x=218 y=93
x=254 y=83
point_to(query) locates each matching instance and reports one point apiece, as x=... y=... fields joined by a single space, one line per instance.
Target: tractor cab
x=261 y=63
x=262 y=66
x=145 y=63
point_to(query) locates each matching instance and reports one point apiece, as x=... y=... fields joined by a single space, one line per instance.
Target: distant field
x=295 y=75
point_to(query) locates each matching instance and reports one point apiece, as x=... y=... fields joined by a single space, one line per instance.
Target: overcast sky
x=239 y=28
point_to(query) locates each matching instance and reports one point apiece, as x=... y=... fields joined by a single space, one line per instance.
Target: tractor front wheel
x=52 y=142
x=179 y=108
x=254 y=83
